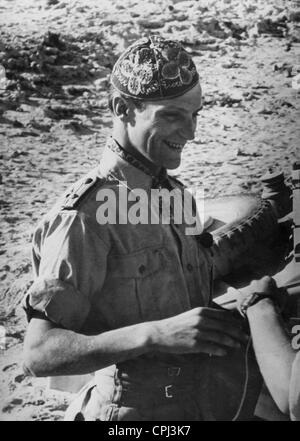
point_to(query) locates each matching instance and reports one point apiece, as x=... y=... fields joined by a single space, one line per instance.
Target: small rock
x=288 y=46
x=108 y=22
x=25 y=133
x=17 y=124
x=36 y=402
x=20 y=378
x=288 y=72
x=284 y=67
x=101 y=83
x=208 y=47
x=18 y=153
x=264 y=110
x=249 y=96
x=80 y=9
x=230 y=65
x=34 y=65
x=61 y=5
x=151 y=24
x=181 y=17
x=274 y=27
x=229 y=101
x=14 y=402
x=54 y=40
x=242 y=153
x=78 y=127
x=58 y=112
x=39 y=126
x=75 y=90
x=9 y=366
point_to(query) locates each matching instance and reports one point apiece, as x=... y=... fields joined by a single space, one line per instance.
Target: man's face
x=160 y=130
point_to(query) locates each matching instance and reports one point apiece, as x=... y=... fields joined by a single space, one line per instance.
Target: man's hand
x=265 y=287
x=207 y=330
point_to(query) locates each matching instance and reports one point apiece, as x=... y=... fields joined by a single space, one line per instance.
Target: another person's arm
x=273 y=350
x=272 y=345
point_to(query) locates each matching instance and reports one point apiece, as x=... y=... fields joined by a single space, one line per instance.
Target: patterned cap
x=153 y=69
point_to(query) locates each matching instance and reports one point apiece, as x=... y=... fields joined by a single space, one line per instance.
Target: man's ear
x=120 y=107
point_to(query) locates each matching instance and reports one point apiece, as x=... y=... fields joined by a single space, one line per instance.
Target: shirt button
x=190 y=267
x=142 y=269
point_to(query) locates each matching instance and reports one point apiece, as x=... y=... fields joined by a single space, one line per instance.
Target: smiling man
x=130 y=302
x=159 y=130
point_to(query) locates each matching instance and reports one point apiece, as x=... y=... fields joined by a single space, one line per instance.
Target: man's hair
x=112 y=92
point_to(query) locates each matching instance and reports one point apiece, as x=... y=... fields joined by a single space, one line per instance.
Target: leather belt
x=132 y=396
x=135 y=387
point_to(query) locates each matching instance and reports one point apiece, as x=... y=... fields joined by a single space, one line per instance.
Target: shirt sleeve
x=70 y=267
x=294 y=395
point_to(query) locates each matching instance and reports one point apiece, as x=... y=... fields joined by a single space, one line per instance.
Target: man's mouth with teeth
x=175 y=146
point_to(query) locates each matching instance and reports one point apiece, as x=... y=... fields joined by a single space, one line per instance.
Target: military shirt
x=92 y=277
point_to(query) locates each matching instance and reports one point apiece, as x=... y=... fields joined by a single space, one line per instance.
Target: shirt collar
x=120 y=164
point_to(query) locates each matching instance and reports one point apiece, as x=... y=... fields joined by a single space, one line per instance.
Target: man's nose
x=189 y=128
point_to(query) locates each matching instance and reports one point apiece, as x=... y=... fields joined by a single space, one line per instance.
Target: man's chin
x=172 y=165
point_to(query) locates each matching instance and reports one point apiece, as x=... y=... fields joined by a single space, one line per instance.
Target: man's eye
x=172 y=115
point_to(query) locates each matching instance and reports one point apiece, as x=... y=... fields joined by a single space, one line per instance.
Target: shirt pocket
x=136 y=265
x=129 y=296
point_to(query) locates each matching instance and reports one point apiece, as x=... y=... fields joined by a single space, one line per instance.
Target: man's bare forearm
x=49 y=350
x=64 y=352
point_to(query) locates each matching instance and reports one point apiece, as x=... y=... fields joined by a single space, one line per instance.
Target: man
x=128 y=301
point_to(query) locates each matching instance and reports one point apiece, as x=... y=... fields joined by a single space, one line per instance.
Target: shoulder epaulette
x=79 y=191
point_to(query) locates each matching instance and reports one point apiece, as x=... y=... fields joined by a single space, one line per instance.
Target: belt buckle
x=174 y=371
x=167 y=391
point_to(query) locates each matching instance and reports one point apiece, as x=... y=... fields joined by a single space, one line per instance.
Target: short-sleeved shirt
x=118 y=274
x=92 y=277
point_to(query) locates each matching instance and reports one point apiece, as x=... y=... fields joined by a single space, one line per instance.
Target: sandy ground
x=54 y=121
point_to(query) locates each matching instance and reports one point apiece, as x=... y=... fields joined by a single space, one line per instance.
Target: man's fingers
x=220 y=315
x=231 y=328
x=219 y=339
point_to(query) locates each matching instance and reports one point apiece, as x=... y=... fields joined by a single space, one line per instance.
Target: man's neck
x=153 y=169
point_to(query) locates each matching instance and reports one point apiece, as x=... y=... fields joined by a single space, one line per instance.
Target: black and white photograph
x=150 y=212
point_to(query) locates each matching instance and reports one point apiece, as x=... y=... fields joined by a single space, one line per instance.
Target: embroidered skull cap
x=153 y=68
